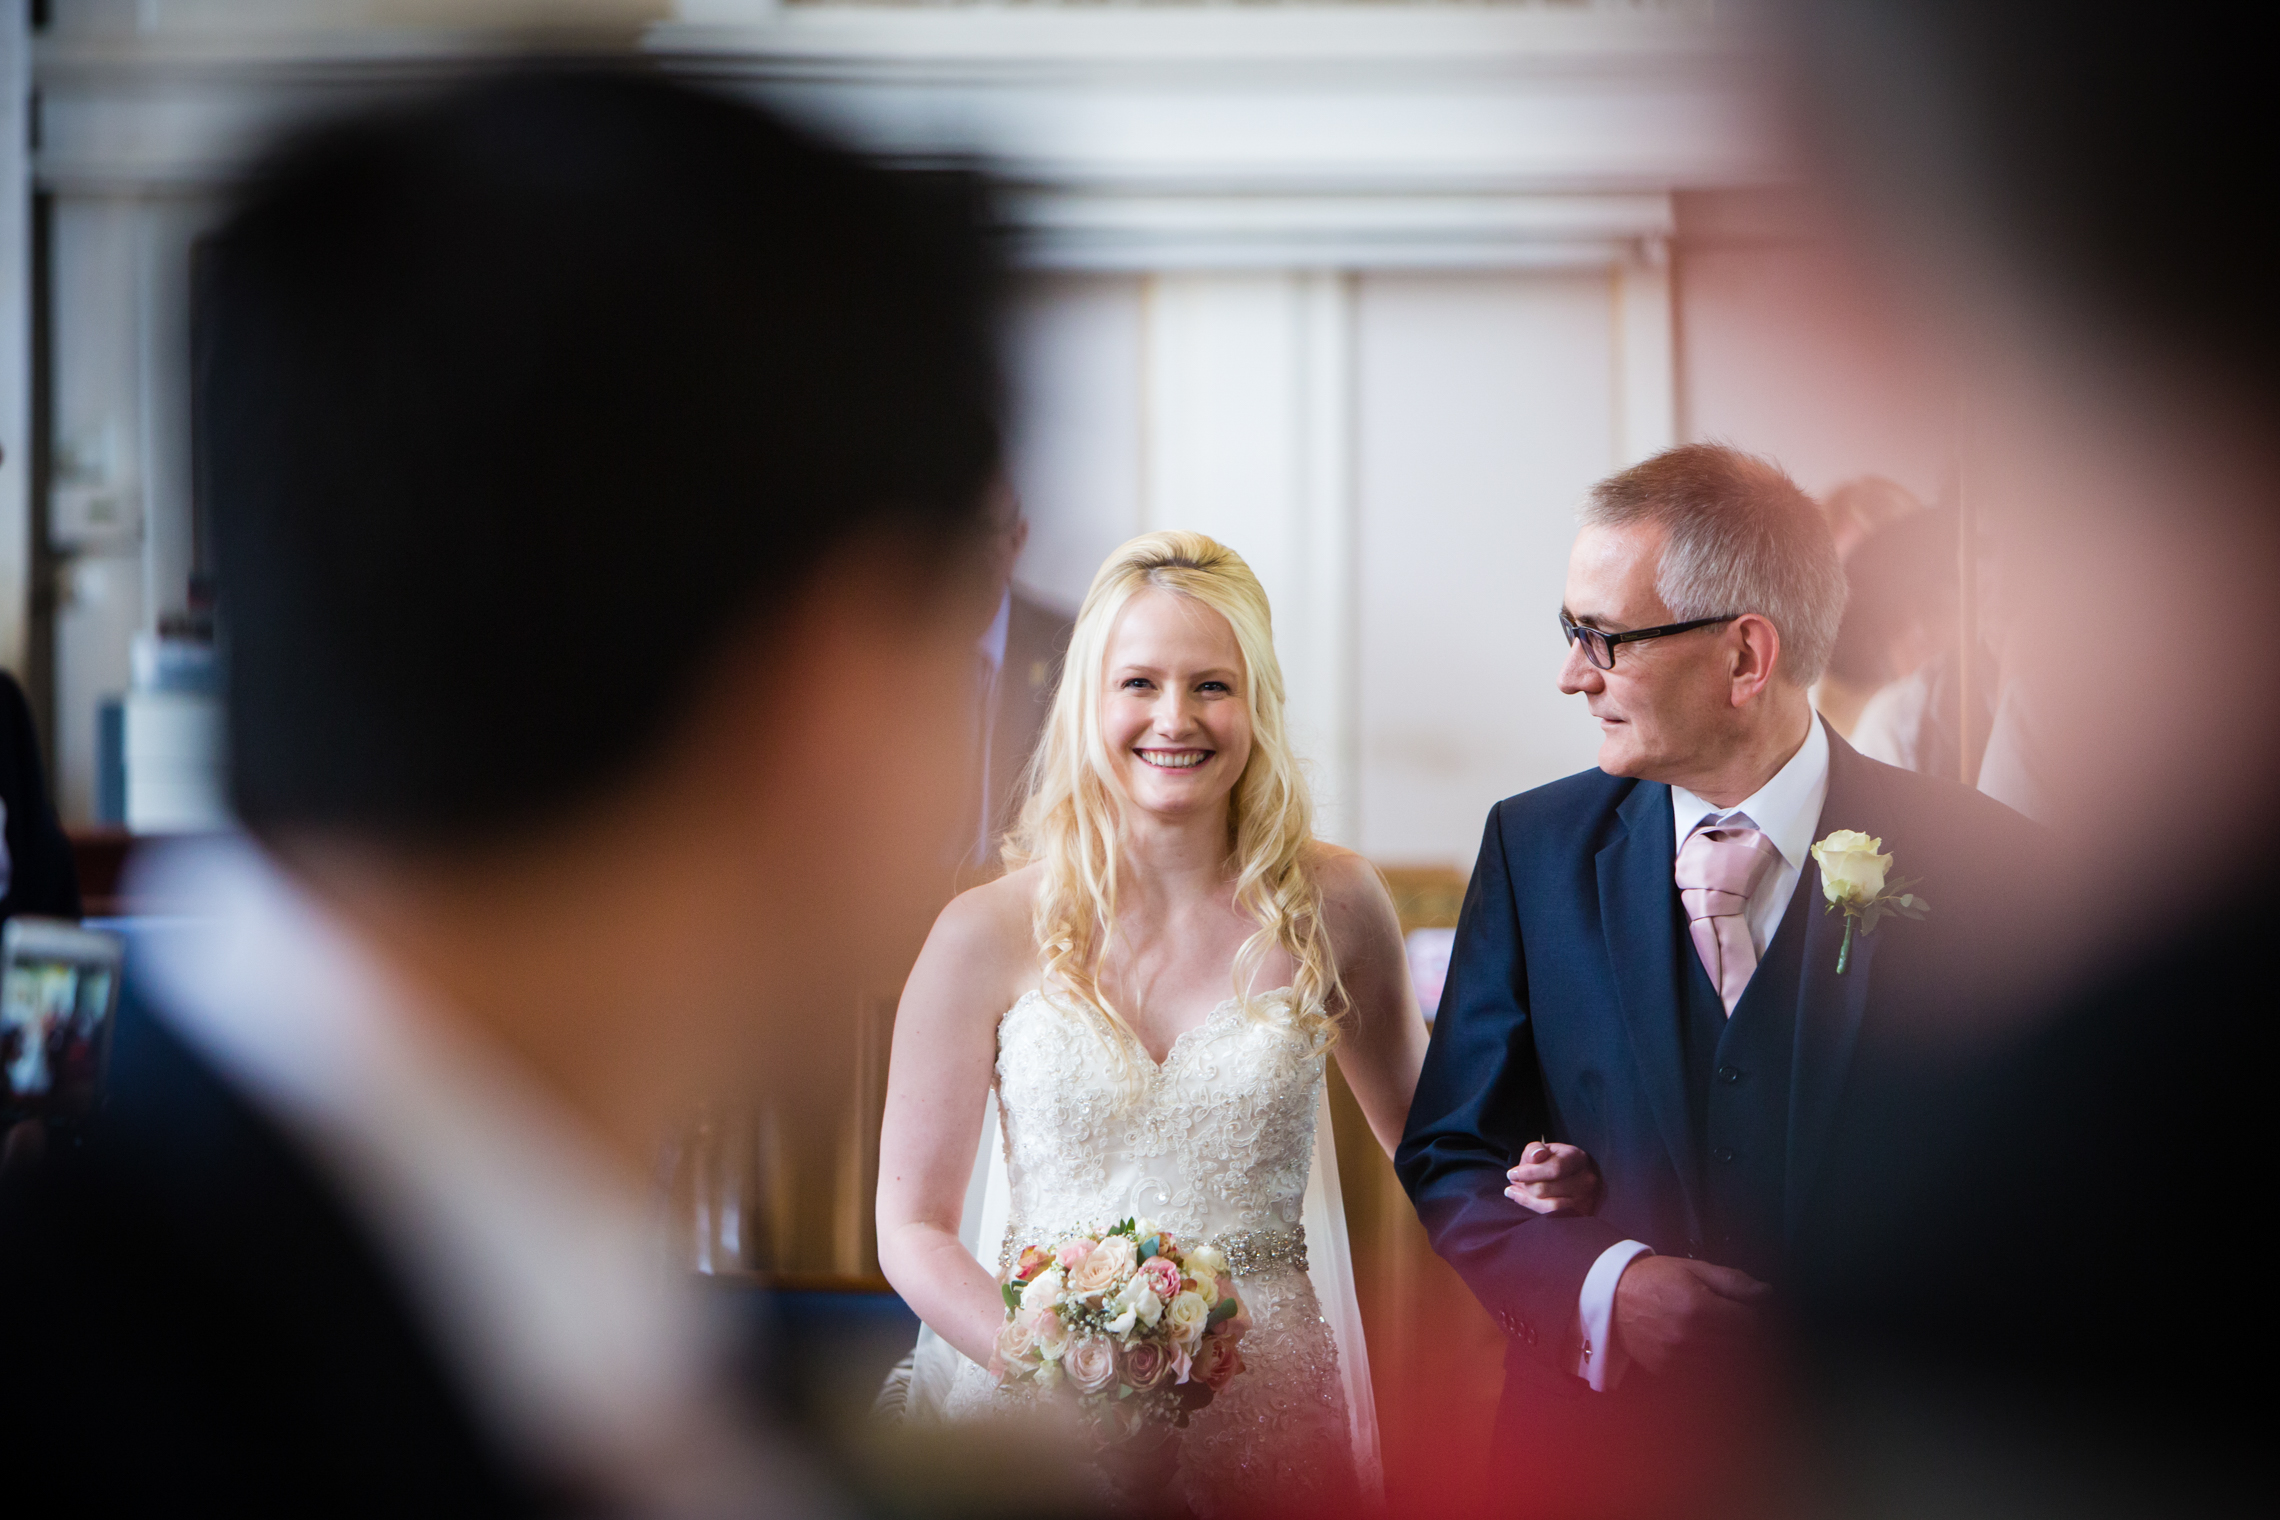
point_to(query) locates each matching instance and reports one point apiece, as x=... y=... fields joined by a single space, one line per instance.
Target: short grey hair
x=1739 y=536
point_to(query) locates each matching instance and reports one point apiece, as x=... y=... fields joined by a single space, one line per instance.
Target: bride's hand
x=1554 y=1179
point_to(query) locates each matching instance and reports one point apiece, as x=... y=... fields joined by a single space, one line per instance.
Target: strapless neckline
x=1181 y=1040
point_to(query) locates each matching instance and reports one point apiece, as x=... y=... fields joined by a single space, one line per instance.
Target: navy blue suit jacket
x=1561 y=1018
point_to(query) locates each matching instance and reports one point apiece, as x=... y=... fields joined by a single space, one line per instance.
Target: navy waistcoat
x=1737 y=1082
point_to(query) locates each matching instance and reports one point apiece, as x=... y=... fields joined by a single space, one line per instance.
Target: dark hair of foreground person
x=540 y=390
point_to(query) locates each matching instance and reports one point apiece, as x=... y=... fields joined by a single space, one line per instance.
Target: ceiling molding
x=1368 y=135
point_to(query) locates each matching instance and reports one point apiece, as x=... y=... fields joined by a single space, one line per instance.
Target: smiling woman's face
x=1173 y=710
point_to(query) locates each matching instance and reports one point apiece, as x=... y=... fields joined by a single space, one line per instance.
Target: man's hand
x=1670 y=1310
x=1554 y=1179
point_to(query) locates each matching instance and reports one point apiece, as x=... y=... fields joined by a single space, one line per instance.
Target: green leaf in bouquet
x=1012 y=1298
x=1225 y=1309
x=1126 y=1226
x=1152 y=1246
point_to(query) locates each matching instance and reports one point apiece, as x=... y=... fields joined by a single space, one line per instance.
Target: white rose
x=1141 y=1299
x=1187 y=1315
x=1043 y=1291
x=1206 y=1287
x=1206 y=1259
x=1851 y=870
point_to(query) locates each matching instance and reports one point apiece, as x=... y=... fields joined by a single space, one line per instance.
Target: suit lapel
x=1635 y=915
x=1830 y=1008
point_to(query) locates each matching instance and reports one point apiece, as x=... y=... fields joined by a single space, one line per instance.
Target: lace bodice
x=1216 y=1143
x=1215 y=1140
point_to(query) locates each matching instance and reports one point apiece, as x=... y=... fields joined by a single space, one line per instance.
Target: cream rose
x=1851 y=869
x=1110 y=1263
x=1206 y=1287
x=1187 y=1314
x=1043 y=1289
x=1206 y=1260
x=1016 y=1347
x=1090 y=1364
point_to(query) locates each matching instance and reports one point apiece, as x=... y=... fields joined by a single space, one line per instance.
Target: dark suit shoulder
x=1932 y=810
x=1573 y=806
x=203 y=1289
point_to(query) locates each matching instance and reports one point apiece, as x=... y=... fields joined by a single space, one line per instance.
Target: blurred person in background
x=598 y=487
x=1017 y=663
x=2051 y=1301
x=1861 y=506
x=1855 y=510
x=37 y=875
x=1900 y=639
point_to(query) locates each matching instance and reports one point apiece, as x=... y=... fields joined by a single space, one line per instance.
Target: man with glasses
x=1645 y=969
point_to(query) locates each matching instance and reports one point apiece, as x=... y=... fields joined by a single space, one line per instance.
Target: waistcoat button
x=1729 y=1075
x=1723 y=1153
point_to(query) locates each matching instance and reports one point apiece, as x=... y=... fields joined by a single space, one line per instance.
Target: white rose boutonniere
x=1854 y=877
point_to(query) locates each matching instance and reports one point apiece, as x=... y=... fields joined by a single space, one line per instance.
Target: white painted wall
x=1487 y=407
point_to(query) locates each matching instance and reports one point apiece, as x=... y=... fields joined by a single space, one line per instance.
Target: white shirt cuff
x=1599 y=1363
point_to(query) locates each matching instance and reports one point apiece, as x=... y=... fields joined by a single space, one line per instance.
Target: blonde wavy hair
x=1071 y=822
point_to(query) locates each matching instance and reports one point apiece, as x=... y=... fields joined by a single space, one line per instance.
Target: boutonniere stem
x=1854 y=878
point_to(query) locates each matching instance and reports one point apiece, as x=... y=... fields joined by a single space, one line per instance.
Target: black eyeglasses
x=1599 y=648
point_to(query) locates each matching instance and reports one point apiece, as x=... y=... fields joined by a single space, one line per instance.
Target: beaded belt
x=1247 y=1251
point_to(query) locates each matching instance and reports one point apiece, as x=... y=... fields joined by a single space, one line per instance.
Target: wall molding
x=1149 y=137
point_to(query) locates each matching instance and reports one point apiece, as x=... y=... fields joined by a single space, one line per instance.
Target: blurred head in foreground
x=2059 y=188
x=598 y=473
x=2055 y=191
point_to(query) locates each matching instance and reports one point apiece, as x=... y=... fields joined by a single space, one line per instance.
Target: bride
x=1151 y=993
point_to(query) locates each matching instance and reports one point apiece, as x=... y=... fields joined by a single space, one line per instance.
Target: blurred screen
x=55 y=1012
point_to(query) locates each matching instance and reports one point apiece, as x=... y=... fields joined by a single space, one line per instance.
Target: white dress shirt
x=540 y=1267
x=1787 y=809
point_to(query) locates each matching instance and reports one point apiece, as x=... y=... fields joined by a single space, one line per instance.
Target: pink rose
x=1217 y=1361
x=1051 y=1335
x=1238 y=1325
x=1034 y=1259
x=1163 y=1276
x=1072 y=1251
x=1090 y=1364
x=1146 y=1365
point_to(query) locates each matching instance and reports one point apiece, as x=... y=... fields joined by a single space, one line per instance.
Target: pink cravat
x=1718 y=869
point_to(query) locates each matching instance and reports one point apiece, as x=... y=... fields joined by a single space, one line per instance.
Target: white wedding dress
x=1218 y=1146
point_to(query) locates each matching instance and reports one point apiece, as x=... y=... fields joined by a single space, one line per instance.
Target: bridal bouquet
x=1140 y=1331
